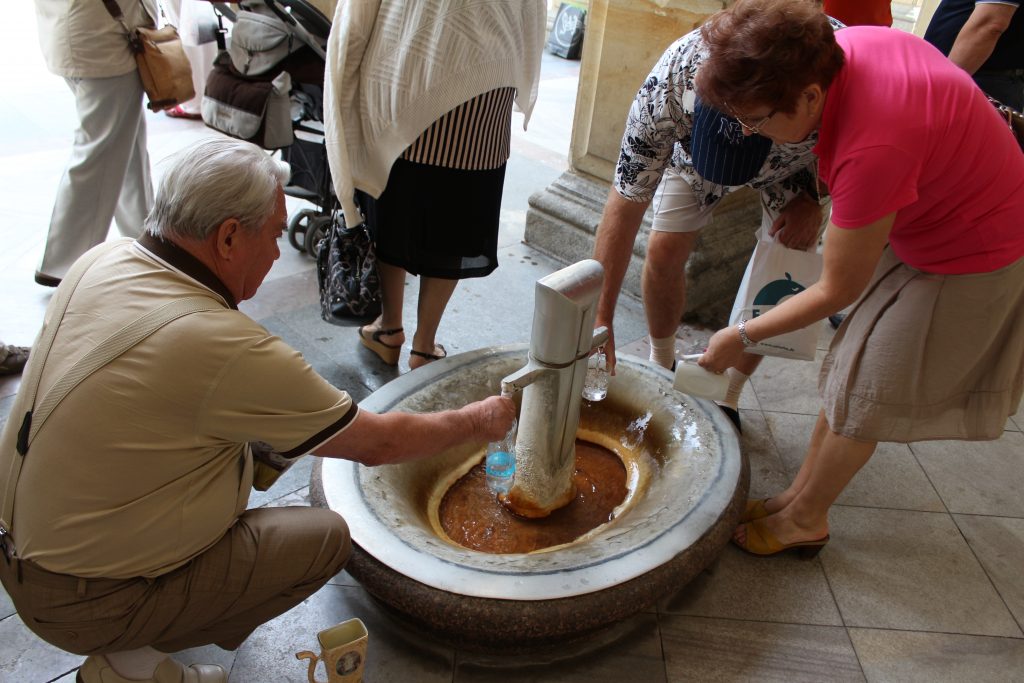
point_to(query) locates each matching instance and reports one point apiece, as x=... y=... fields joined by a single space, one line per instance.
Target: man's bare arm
x=613 y=248
x=387 y=438
x=978 y=37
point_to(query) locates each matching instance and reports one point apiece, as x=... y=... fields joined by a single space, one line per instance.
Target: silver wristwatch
x=741 y=327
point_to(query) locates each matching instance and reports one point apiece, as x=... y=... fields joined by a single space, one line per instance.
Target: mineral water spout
x=562 y=338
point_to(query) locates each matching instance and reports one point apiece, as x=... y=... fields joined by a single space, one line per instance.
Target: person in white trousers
x=196 y=23
x=108 y=175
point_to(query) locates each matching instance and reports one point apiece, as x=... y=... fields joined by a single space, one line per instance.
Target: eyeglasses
x=752 y=127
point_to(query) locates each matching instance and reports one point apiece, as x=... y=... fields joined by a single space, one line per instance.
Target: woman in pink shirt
x=926 y=236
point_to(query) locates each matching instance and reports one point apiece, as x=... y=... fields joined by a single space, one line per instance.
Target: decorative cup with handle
x=343 y=652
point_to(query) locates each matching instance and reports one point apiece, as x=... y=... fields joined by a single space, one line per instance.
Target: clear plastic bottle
x=500 y=465
x=595 y=386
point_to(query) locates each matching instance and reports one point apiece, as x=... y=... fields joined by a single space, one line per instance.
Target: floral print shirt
x=658 y=131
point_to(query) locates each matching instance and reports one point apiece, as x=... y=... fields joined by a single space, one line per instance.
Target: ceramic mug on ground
x=343 y=652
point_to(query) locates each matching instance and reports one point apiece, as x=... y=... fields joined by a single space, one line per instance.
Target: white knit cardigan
x=396 y=66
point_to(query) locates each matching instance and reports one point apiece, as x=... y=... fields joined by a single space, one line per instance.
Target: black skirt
x=436 y=221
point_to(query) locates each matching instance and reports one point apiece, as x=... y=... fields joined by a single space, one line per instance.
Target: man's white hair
x=212 y=181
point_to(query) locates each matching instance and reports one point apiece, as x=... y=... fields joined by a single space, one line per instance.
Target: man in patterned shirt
x=686 y=158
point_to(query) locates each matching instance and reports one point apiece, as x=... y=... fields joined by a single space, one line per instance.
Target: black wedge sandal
x=387 y=352
x=428 y=357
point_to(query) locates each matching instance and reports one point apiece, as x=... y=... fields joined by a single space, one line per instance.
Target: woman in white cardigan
x=418 y=100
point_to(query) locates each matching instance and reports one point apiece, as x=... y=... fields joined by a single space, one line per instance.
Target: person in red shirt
x=860 y=12
x=927 y=187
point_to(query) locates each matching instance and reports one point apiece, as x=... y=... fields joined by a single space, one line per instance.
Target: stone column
x=623 y=40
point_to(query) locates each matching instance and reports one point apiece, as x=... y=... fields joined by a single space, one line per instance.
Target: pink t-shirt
x=906 y=131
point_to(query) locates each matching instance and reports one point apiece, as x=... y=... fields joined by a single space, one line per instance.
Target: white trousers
x=108 y=175
x=187 y=16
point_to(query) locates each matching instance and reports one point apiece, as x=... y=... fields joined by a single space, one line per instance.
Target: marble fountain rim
x=490 y=576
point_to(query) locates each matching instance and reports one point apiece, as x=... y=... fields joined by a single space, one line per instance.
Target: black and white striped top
x=474 y=136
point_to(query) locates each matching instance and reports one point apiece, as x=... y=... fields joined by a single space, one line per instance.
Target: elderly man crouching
x=129 y=535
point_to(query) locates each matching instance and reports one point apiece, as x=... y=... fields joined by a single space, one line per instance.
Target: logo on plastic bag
x=774 y=292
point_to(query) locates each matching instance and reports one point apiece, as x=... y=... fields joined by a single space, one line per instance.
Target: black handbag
x=346 y=268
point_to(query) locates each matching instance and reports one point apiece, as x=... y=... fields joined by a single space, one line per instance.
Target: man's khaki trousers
x=268 y=562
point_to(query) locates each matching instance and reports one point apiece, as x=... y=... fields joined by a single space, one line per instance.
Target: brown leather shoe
x=46 y=280
x=96 y=669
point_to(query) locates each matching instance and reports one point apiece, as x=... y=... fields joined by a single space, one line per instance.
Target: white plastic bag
x=774 y=274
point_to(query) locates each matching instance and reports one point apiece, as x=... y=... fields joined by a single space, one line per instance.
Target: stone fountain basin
x=688 y=484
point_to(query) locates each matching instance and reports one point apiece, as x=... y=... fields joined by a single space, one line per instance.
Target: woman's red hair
x=765 y=53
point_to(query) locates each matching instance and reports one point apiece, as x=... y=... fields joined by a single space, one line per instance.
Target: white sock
x=138 y=664
x=663 y=351
x=736 y=382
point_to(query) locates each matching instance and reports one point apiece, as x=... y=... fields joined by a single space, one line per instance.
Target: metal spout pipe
x=562 y=338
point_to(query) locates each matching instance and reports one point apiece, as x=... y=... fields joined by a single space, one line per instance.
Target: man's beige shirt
x=145 y=464
x=80 y=39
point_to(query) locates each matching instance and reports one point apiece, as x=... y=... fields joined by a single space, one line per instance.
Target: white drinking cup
x=694 y=380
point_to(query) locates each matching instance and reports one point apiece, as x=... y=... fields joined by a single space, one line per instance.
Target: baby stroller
x=267 y=87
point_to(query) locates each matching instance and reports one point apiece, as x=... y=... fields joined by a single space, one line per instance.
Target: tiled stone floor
x=922 y=580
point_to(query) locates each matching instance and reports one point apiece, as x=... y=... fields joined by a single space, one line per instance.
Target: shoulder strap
x=54 y=315
x=114 y=9
x=10 y=458
x=104 y=352
x=110 y=348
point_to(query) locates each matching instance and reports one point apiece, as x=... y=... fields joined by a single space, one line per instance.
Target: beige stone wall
x=624 y=39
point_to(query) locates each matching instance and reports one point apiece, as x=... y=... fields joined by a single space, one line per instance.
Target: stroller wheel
x=299 y=225
x=316 y=230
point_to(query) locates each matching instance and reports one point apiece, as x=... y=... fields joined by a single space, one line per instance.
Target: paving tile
x=297 y=498
x=343 y=578
x=332 y=359
x=891 y=479
x=6 y=606
x=768 y=473
x=26 y=657
x=788 y=386
x=908 y=570
x=937 y=657
x=977 y=477
x=698 y=649
x=998 y=543
x=298 y=290
x=1015 y=423
x=740 y=586
x=634 y=655
x=641 y=348
x=693 y=338
x=6 y=403
x=9 y=387
x=282 y=492
x=394 y=654
x=825 y=337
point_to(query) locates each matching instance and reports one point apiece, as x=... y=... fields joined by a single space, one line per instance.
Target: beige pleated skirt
x=925 y=356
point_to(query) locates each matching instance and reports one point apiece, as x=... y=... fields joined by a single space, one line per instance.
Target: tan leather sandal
x=760 y=541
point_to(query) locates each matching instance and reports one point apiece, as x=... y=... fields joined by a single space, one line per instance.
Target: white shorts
x=676 y=208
